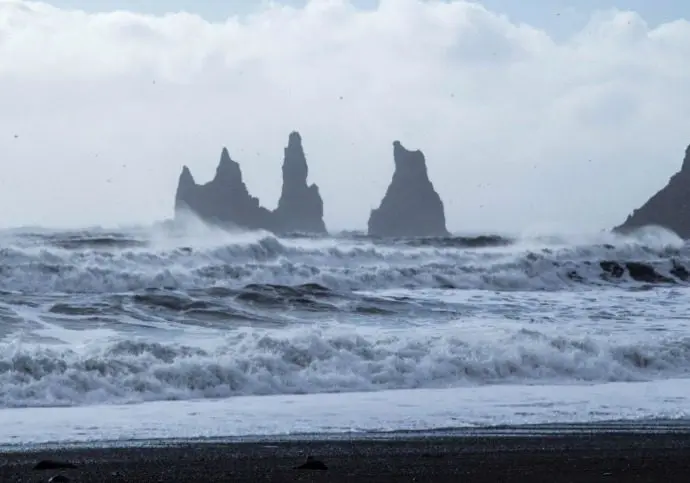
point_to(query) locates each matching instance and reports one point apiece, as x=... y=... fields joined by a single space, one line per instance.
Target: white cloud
x=519 y=130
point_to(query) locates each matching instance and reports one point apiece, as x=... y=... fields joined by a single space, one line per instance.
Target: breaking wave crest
x=316 y=360
x=139 y=315
x=116 y=262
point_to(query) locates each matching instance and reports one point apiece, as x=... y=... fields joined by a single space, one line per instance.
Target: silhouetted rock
x=640 y=272
x=680 y=271
x=54 y=465
x=300 y=208
x=312 y=464
x=411 y=206
x=226 y=200
x=669 y=208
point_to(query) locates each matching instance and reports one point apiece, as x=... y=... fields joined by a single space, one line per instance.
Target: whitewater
x=171 y=331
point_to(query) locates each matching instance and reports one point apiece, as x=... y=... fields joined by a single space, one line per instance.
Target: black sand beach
x=576 y=457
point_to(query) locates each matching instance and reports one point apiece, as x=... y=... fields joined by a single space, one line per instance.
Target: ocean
x=168 y=332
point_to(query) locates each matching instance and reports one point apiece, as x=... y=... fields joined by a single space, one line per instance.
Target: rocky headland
x=668 y=208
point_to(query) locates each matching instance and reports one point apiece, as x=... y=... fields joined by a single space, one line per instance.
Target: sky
x=544 y=115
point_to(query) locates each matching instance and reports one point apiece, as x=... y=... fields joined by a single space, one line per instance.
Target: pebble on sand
x=312 y=464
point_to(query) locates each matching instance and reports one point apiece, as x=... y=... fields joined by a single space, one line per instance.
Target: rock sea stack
x=668 y=208
x=226 y=201
x=300 y=208
x=411 y=206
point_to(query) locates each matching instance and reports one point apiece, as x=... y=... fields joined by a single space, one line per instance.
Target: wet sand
x=581 y=457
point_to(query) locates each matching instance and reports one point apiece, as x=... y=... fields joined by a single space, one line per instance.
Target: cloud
x=520 y=130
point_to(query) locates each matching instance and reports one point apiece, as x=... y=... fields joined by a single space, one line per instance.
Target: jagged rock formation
x=226 y=201
x=300 y=208
x=411 y=206
x=669 y=208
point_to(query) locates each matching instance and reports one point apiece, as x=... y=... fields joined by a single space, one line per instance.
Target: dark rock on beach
x=411 y=206
x=54 y=465
x=668 y=208
x=312 y=464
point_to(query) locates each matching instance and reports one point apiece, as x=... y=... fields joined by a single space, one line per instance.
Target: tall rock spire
x=225 y=200
x=411 y=205
x=300 y=208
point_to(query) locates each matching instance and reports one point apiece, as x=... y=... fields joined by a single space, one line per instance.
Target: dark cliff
x=668 y=208
x=226 y=201
x=300 y=208
x=411 y=205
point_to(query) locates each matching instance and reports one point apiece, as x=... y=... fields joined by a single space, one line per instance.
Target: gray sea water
x=178 y=332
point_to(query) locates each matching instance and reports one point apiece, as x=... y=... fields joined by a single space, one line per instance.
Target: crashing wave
x=115 y=262
x=311 y=360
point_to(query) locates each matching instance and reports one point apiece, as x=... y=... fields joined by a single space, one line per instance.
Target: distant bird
x=312 y=464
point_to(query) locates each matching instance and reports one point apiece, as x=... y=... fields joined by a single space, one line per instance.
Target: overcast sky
x=532 y=115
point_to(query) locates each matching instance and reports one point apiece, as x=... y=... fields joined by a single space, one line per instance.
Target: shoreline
x=594 y=454
x=553 y=430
